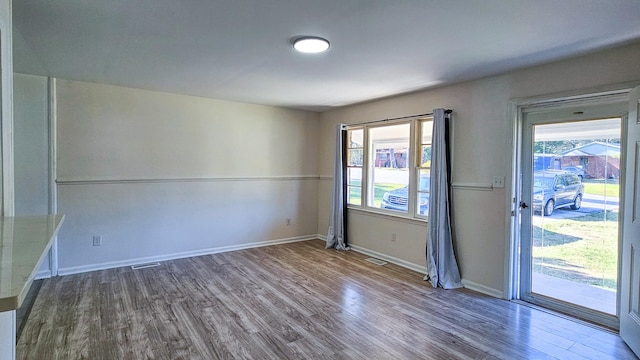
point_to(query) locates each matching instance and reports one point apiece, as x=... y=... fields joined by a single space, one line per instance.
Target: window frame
x=419 y=165
x=361 y=167
x=370 y=153
x=413 y=167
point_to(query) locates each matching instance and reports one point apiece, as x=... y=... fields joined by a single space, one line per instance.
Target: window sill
x=388 y=216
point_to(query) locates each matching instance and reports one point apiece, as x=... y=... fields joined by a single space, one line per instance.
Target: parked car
x=575 y=170
x=554 y=189
x=398 y=199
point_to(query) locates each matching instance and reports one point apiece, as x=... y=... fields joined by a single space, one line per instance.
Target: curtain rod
x=447 y=112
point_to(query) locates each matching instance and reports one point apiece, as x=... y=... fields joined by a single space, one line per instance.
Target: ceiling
x=240 y=50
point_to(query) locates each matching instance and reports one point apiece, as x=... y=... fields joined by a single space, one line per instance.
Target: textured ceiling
x=240 y=50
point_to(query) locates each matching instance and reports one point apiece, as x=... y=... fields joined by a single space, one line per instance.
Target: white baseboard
x=391 y=259
x=181 y=255
x=423 y=270
x=42 y=274
x=482 y=289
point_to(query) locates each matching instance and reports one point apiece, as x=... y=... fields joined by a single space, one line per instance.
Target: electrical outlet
x=498 y=181
x=393 y=237
x=288 y=221
x=97 y=240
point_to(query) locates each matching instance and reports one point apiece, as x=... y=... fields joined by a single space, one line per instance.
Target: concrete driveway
x=590 y=204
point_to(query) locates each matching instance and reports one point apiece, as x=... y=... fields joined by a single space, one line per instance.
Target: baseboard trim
x=42 y=274
x=421 y=269
x=129 y=262
x=45 y=274
x=381 y=256
x=482 y=289
x=391 y=259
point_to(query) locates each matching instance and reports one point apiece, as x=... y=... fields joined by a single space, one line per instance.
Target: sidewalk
x=584 y=295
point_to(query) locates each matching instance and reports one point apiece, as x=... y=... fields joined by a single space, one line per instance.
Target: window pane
x=354 y=176
x=355 y=138
x=389 y=184
x=354 y=186
x=426 y=156
x=426 y=130
x=355 y=195
x=423 y=192
x=354 y=157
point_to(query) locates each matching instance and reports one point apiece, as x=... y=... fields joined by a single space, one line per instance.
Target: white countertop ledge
x=24 y=243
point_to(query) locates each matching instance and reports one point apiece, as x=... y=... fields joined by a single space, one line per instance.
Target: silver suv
x=554 y=189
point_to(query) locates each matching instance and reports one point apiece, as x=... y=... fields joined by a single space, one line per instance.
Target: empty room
x=306 y=179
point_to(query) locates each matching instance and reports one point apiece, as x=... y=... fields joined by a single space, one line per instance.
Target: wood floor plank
x=291 y=301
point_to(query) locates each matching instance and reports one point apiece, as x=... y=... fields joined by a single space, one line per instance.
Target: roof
x=595 y=148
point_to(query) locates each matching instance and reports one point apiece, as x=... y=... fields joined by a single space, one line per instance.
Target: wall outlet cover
x=498 y=181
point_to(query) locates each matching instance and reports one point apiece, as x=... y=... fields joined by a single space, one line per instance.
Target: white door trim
x=629 y=284
x=540 y=105
x=517 y=107
x=53 y=189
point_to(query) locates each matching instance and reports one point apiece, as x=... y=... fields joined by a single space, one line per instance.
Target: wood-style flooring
x=293 y=301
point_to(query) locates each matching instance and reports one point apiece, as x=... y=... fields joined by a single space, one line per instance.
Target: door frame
x=604 y=95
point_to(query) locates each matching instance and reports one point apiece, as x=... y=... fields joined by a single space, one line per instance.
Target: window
x=424 y=167
x=355 y=157
x=389 y=167
x=381 y=168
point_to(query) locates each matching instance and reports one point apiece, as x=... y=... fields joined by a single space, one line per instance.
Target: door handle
x=523 y=205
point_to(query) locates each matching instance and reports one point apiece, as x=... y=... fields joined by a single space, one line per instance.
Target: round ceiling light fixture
x=310 y=44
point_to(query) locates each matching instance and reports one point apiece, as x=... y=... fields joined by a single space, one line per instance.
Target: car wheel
x=581 y=177
x=577 y=202
x=549 y=207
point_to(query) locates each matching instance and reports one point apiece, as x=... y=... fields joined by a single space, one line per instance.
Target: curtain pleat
x=442 y=267
x=337 y=234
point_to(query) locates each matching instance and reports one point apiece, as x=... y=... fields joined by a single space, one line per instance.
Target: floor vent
x=144 y=266
x=376 y=261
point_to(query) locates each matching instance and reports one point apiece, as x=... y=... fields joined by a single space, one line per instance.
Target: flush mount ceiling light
x=310 y=44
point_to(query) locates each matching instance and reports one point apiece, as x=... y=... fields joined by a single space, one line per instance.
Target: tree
x=426 y=156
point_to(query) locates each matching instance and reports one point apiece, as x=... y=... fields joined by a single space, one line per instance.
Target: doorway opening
x=575 y=218
x=568 y=226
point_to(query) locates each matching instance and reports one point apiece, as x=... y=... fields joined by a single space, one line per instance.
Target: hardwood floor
x=293 y=301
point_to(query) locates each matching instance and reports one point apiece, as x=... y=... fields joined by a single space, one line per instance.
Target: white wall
x=6 y=107
x=160 y=175
x=8 y=318
x=483 y=134
x=31 y=149
x=31 y=144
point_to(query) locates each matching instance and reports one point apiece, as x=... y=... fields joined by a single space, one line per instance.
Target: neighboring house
x=598 y=160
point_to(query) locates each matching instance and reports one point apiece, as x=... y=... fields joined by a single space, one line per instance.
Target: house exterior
x=598 y=160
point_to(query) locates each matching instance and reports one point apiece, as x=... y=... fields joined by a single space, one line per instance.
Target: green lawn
x=583 y=249
x=602 y=189
x=378 y=191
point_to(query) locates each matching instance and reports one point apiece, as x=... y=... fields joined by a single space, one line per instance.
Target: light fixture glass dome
x=310 y=44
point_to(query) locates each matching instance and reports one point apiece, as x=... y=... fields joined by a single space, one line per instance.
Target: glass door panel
x=571 y=239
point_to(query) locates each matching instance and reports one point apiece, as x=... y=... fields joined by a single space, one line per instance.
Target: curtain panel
x=337 y=235
x=442 y=267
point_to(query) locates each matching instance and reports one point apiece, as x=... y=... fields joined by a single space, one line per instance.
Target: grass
x=378 y=191
x=583 y=249
x=602 y=189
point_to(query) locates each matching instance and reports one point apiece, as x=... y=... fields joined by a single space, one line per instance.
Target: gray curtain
x=442 y=267
x=336 y=237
